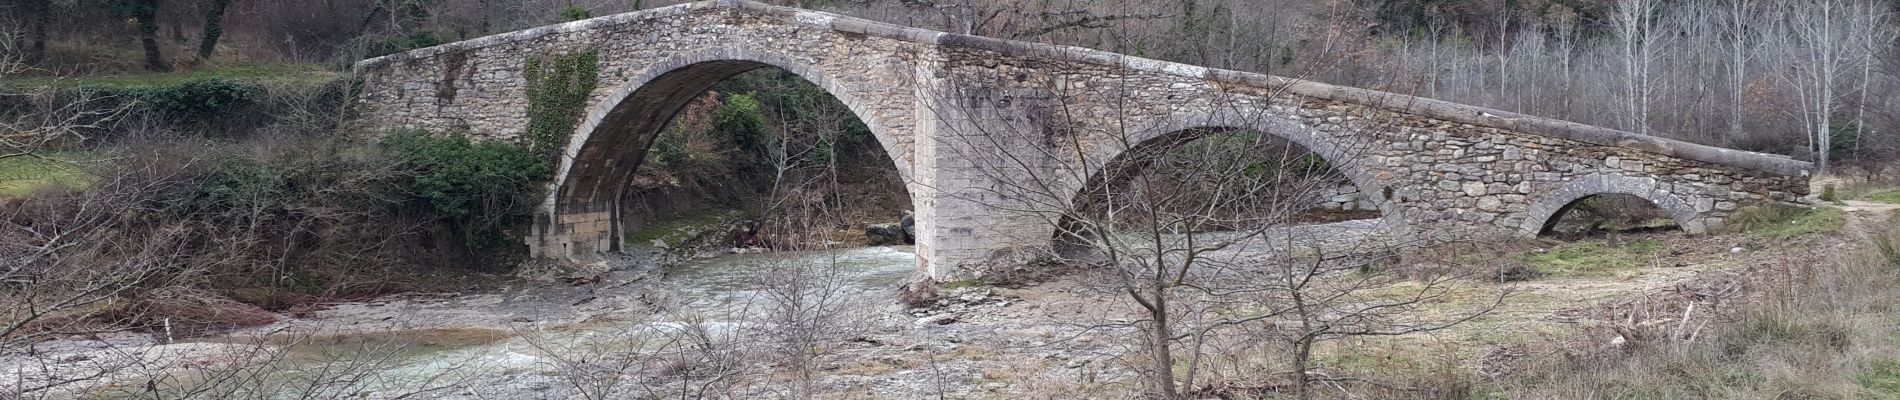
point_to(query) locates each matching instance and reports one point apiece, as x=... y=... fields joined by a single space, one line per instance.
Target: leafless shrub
x=671 y=355
x=809 y=310
x=69 y=256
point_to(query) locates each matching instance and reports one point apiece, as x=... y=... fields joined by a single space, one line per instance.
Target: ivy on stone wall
x=558 y=87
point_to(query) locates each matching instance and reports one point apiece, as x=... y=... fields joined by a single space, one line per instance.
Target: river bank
x=715 y=327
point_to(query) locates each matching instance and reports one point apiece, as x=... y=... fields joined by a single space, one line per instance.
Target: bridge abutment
x=575 y=230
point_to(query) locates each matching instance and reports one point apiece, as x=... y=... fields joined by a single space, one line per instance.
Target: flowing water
x=720 y=294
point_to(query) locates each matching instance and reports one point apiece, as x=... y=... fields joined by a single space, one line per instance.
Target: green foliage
x=740 y=118
x=558 y=87
x=1828 y=195
x=669 y=150
x=575 y=12
x=237 y=184
x=486 y=189
x=209 y=102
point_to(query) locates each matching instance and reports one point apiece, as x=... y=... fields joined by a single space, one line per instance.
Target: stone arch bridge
x=966 y=118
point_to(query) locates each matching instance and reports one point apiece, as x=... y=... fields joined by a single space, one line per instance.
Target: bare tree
x=1873 y=34
x=1642 y=41
x=1196 y=229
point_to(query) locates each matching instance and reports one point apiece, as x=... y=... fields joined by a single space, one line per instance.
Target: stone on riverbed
x=885 y=234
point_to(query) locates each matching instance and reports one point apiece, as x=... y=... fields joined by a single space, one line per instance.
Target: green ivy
x=558 y=87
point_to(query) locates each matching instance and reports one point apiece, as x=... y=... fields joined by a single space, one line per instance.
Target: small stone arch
x=1348 y=159
x=1551 y=205
x=621 y=124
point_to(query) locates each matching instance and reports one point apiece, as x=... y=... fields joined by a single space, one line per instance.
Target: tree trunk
x=40 y=12
x=1303 y=347
x=214 y=28
x=146 y=12
x=1159 y=338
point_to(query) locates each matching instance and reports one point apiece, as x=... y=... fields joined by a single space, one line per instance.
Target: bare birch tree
x=1641 y=42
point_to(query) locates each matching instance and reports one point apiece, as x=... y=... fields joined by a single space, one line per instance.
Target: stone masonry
x=967 y=120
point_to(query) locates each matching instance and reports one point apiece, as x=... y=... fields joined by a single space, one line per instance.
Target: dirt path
x=1865 y=218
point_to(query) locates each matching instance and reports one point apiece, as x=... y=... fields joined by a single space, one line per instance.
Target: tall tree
x=214 y=28
x=1872 y=34
x=1634 y=22
x=145 y=14
x=33 y=44
x=1821 y=50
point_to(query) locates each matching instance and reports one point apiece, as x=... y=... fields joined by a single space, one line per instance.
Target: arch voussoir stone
x=946 y=106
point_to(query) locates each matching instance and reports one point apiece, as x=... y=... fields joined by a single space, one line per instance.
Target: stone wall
x=994 y=137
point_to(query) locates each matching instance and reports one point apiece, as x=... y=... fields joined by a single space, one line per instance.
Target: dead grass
x=1825 y=333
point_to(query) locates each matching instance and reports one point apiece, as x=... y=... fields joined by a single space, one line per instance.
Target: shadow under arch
x=616 y=132
x=1547 y=209
x=1347 y=159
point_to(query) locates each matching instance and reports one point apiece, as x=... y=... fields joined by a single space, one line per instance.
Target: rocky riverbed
x=642 y=330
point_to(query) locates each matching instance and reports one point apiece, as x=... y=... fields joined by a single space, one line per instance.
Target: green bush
x=486 y=190
x=214 y=104
x=236 y=183
x=741 y=118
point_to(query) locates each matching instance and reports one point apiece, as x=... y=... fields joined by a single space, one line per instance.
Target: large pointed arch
x=612 y=140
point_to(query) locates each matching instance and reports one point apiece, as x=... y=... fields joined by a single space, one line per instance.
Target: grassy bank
x=20 y=176
x=267 y=74
x=1826 y=332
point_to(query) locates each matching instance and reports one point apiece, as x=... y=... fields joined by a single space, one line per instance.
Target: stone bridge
x=967 y=120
